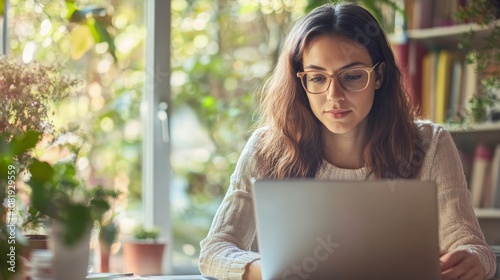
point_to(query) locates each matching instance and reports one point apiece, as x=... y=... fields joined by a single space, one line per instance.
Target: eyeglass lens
x=352 y=80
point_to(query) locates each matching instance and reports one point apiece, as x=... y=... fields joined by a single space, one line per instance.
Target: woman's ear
x=379 y=75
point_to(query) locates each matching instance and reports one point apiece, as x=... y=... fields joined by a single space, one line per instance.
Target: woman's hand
x=461 y=264
x=253 y=271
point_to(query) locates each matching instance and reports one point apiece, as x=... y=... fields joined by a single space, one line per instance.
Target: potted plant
x=26 y=94
x=33 y=228
x=143 y=255
x=108 y=234
x=56 y=191
x=11 y=242
x=73 y=208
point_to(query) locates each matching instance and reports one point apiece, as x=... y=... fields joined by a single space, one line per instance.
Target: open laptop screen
x=310 y=229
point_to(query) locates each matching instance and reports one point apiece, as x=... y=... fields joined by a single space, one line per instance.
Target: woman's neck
x=345 y=150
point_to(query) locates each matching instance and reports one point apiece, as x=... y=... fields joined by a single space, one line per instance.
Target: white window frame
x=156 y=146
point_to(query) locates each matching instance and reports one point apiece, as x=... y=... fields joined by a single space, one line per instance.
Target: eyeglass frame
x=330 y=75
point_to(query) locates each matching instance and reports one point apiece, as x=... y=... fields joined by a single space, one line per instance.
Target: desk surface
x=182 y=277
x=111 y=276
x=198 y=277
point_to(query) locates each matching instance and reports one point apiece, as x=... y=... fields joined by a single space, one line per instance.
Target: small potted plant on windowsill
x=143 y=254
x=108 y=235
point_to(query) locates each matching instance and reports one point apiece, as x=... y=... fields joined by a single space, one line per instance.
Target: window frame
x=156 y=168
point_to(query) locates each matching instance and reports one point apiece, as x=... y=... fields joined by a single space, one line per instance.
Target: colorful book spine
x=482 y=160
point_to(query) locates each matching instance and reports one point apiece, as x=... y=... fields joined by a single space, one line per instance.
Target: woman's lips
x=338 y=114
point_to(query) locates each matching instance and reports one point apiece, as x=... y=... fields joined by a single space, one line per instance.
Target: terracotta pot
x=104 y=253
x=143 y=258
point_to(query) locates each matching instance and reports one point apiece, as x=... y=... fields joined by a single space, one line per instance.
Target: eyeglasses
x=352 y=80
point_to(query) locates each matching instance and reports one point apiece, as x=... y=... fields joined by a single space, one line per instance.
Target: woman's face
x=340 y=110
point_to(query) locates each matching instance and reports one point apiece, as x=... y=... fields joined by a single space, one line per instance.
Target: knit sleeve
x=458 y=225
x=226 y=250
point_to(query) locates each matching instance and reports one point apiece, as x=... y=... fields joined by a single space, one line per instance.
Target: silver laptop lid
x=309 y=229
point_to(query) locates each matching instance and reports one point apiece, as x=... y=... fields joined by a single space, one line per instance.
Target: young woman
x=335 y=108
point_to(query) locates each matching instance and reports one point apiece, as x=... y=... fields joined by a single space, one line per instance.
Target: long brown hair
x=292 y=146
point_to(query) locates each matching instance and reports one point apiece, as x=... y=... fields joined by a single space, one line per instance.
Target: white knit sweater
x=226 y=250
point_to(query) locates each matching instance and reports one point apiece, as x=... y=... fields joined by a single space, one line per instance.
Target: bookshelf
x=411 y=48
x=487 y=213
x=447 y=37
x=466 y=137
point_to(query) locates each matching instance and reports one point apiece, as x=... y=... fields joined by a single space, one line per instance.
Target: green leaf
x=79 y=16
x=101 y=34
x=32 y=211
x=22 y=143
x=99 y=207
x=5 y=147
x=41 y=171
x=2 y=7
x=77 y=221
x=70 y=5
x=109 y=233
x=208 y=103
x=4 y=168
x=41 y=199
x=81 y=41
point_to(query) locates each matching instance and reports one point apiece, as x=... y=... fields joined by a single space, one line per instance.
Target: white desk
x=181 y=277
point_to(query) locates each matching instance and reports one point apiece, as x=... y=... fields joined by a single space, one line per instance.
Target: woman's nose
x=335 y=92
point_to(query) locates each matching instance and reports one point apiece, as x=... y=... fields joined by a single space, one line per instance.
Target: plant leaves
x=70 y=5
x=22 y=143
x=80 y=16
x=81 y=41
x=2 y=7
x=100 y=33
x=41 y=171
x=41 y=199
x=77 y=221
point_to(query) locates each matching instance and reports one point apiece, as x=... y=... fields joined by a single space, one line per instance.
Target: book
x=466 y=159
x=481 y=162
x=456 y=85
x=494 y=200
x=469 y=88
x=416 y=52
x=400 y=51
x=420 y=14
x=428 y=88
x=443 y=80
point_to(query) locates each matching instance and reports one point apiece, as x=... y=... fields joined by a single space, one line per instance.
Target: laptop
x=311 y=229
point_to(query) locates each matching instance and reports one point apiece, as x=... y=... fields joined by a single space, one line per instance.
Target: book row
x=429 y=13
x=482 y=170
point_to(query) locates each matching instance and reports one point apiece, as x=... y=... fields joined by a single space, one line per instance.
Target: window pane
x=221 y=53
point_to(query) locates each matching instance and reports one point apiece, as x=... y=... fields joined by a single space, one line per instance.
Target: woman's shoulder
x=253 y=141
x=428 y=129
x=259 y=131
x=257 y=134
x=433 y=137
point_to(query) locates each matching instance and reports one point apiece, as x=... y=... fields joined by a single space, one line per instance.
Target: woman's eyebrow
x=315 y=67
